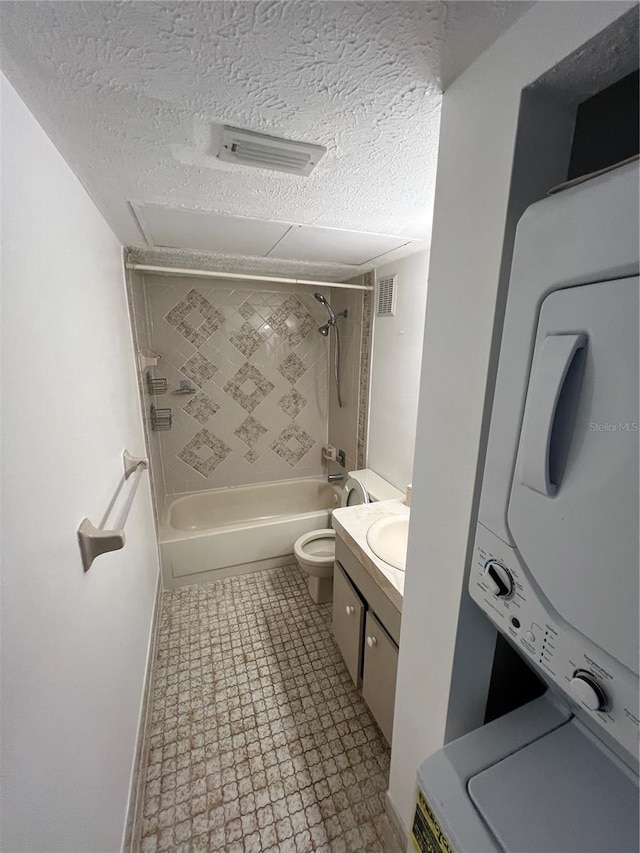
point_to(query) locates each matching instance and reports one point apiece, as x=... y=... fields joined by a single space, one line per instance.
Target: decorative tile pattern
x=195 y=318
x=201 y=407
x=292 y=368
x=242 y=317
x=195 y=452
x=250 y=431
x=292 y=321
x=247 y=340
x=199 y=369
x=259 y=740
x=292 y=403
x=239 y=387
x=292 y=444
x=246 y=310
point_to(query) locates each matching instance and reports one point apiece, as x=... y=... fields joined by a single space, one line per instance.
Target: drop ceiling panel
x=208 y=232
x=310 y=243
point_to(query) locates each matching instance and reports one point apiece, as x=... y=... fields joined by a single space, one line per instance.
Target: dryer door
x=573 y=508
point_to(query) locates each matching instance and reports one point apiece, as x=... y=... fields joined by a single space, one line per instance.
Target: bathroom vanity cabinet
x=366 y=627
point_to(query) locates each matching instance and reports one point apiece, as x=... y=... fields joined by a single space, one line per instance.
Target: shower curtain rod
x=132 y=265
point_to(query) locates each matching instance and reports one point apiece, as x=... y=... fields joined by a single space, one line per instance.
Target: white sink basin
x=387 y=538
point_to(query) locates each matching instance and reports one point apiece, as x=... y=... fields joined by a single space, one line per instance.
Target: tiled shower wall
x=348 y=424
x=142 y=340
x=259 y=369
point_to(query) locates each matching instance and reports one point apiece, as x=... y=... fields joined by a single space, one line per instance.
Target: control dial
x=588 y=691
x=498 y=579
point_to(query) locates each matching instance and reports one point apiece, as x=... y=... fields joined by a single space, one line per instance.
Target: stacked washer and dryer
x=555 y=564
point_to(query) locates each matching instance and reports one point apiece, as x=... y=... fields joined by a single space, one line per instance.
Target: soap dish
x=185 y=388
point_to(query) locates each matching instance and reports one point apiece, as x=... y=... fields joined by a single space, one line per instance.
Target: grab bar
x=94 y=540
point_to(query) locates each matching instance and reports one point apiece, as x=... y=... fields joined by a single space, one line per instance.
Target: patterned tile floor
x=259 y=740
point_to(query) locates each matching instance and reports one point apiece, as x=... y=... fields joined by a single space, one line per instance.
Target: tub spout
x=335 y=478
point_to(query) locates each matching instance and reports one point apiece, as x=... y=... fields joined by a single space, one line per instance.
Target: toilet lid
x=354 y=493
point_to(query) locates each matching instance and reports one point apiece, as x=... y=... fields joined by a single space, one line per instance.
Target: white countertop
x=351 y=524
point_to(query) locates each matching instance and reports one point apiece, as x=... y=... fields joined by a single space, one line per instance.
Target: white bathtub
x=226 y=532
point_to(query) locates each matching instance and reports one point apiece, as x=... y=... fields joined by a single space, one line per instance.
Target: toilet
x=315 y=551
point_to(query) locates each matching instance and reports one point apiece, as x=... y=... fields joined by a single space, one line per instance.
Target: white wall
x=74 y=645
x=395 y=372
x=474 y=207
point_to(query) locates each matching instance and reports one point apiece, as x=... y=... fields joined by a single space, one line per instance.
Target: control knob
x=588 y=691
x=498 y=579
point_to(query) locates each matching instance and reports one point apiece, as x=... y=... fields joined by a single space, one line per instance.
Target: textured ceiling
x=133 y=93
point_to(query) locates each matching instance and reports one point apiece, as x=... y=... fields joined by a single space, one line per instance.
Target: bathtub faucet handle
x=335 y=478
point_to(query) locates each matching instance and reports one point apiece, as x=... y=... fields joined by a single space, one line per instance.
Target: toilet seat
x=354 y=493
x=317 y=547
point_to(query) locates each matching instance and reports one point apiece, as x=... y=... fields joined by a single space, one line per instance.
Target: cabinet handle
x=371 y=642
x=350 y=610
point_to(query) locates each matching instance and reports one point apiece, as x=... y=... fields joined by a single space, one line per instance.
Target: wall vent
x=268 y=152
x=387 y=296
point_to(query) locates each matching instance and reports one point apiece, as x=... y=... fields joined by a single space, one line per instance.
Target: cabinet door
x=379 y=674
x=348 y=620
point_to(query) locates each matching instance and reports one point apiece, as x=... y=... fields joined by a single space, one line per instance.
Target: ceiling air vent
x=268 y=152
x=387 y=296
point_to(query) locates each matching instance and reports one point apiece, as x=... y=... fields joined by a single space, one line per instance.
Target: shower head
x=323 y=301
x=324 y=330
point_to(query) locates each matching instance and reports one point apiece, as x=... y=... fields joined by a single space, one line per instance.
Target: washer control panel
x=587 y=690
x=596 y=685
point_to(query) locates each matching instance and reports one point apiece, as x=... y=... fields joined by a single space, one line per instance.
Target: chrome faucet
x=335 y=478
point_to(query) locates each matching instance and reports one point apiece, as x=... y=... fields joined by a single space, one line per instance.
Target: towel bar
x=94 y=540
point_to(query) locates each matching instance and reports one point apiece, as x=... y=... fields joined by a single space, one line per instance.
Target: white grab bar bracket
x=131 y=463
x=94 y=540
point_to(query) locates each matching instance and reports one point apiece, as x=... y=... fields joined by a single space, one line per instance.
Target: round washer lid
x=354 y=493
